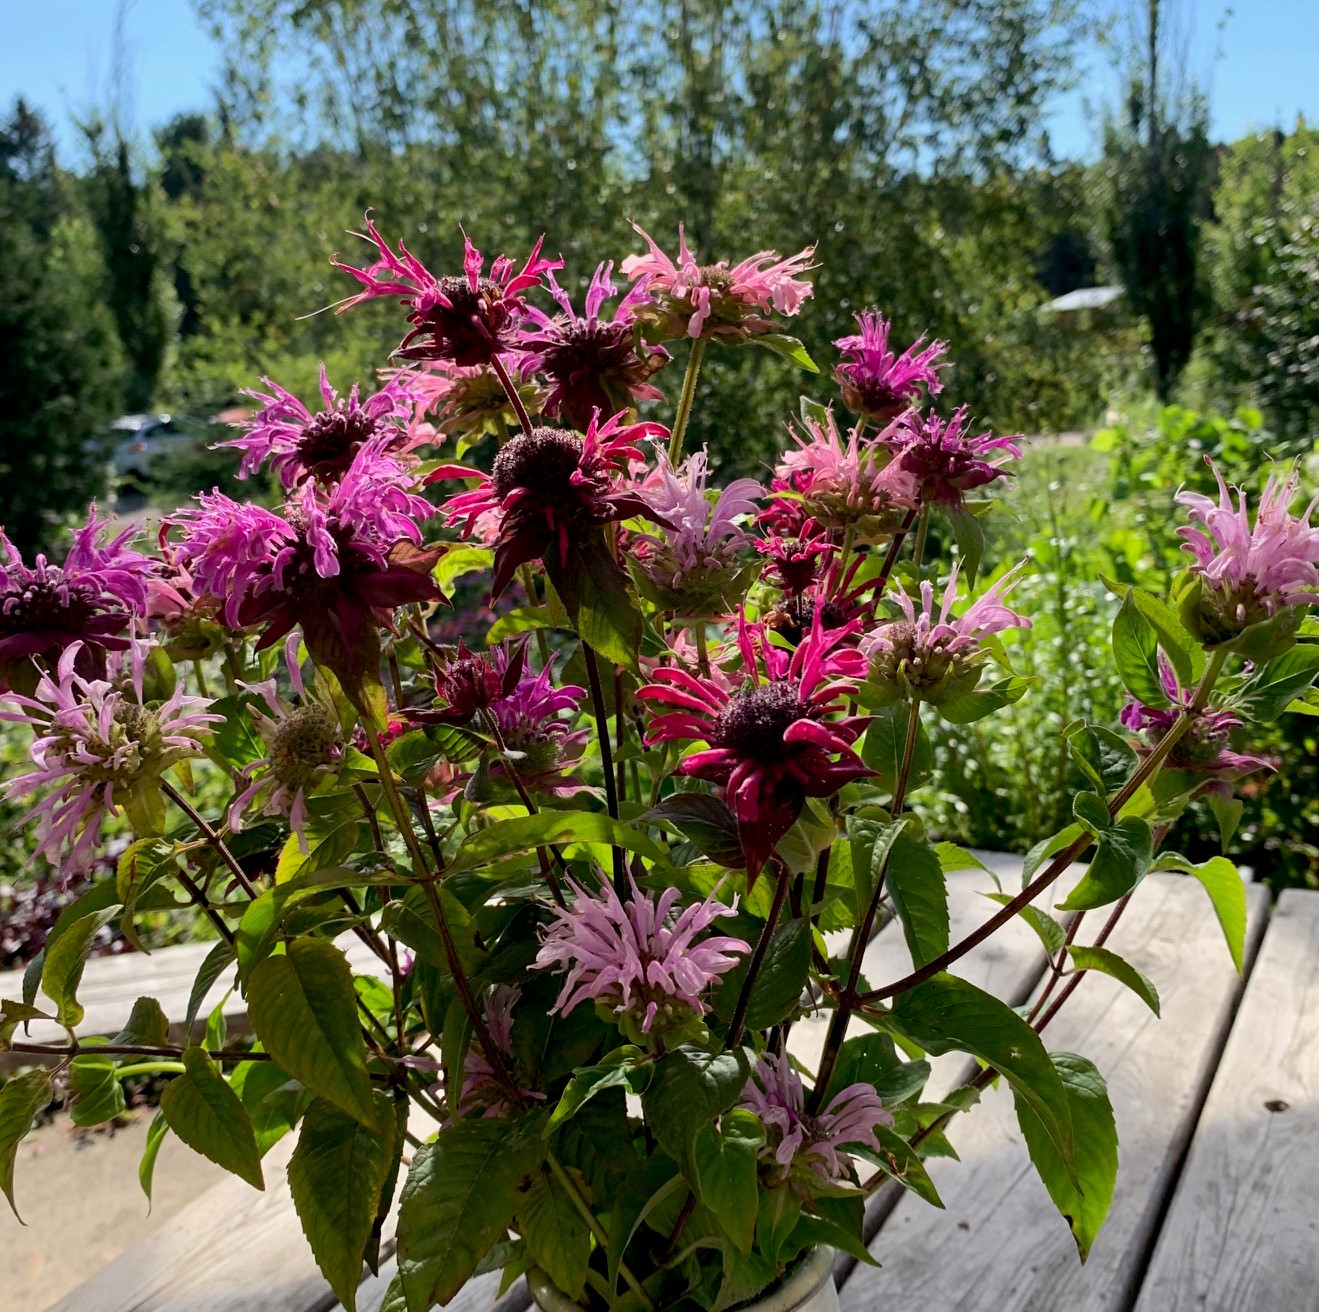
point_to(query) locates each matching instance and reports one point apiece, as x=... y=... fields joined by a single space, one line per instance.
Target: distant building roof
x=1085 y=298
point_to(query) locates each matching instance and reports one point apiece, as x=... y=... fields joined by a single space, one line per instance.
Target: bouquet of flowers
x=615 y=854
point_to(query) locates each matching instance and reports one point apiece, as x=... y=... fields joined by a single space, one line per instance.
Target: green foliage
x=206 y=1114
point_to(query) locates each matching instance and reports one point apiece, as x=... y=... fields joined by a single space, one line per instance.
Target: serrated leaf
x=213 y=966
x=1047 y=848
x=652 y=1186
x=331 y=834
x=555 y=1234
x=947 y=1014
x=205 y=1113
x=726 y=1181
x=898 y=1159
x=1227 y=891
x=872 y=1059
x=273 y=1102
x=788 y=347
x=616 y=1070
x=1082 y=1189
x=335 y=1176
x=689 y=1089
x=461 y=1193
x=1119 y=864
x=21 y=1099
x=1136 y=653
x=64 y=960
x=780 y=982
x=1270 y=689
x=598 y=597
x=920 y=895
x=705 y=821
x=1109 y=963
x=870 y=842
x=304 y=1011
x=550 y=827
x=411 y=920
x=885 y=741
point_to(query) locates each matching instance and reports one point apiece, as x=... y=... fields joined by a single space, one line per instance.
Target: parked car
x=139 y=441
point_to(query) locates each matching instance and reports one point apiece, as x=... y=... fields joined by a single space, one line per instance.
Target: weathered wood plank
x=1000 y=1244
x=1243 y=1230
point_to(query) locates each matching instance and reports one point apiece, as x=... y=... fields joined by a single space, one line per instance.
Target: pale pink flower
x=1251 y=572
x=718 y=300
x=877 y=382
x=480 y=1091
x=797 y=1139
x=96 y=745
x=633 y=956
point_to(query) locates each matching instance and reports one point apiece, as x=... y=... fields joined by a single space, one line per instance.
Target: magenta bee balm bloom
x=551 y=490
x=800 y=1141
x=468 y=319
x=775 y=742
x=592 y=363
x=90 y=600
x=876 y=382
x=943 y=461
x=634 y=957
x=1250 y=573
x=302 y=445
x=717 y=300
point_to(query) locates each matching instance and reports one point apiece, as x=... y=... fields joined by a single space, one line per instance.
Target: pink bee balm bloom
x=718 y=300
x=794 y=560
x=302 y=445
x=1204 y=749
x=336 y=564
x=798 y=1140
x=775 y=742
x=468 y=319
x=695 y=559
x=937 y=656
x=592 y=363
x=1250 y=573
x=876 y=382
x=481 y=1092
x=552 y=490
x=531 y=723
x=304 y=749
x=841 y=483
x=634 y=957
x=98 y=750
x=90 y=600
x=943 y=461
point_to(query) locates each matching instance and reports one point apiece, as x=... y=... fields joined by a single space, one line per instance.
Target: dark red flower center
x=470 y=330
x=329 y=443
x=49 y=602
x=542 y=461
x=754 y=722
x=793 y=616
x=470 y=685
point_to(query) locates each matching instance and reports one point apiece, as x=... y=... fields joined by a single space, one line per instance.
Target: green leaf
x=21 y=1100
x=1109 y=963
x=788 y=347
x=952 y=858
x=411 y=920
x=883 y=746
x=650 y=1187
x=1047 y=848
x=1120 y=862
x=872 y=1059
x=726 y=1181
x=1269 y=690
x=272 y=1100
x=550 y=827
x=217 y=959
x=619 y=1069
x=1082 y=1189
x=236 y=741
x=147 y=1025
x=597 y=594
x=898 y=1159
x=920 y=895
x=689 y=1089
x=1227 y=891
x=461 y=1194
x=146 y=1170
x=1106 y=759
x=1227 y=811
x=206 y=1114
x=555 y=1234
x=303 y=1009
x=331 y=834
x=778 y=989
x=1050 y=932
x=143 y=863
x=947 y=1014
x=980 y=702
x=64 y=960
x=969 y=534
x=13 y=1014
x=1136 y=653
x=97 y=1094
x=705 y=821
x=1186 y=655
x=460 y=558
x=335 y=1176
x=870 y=842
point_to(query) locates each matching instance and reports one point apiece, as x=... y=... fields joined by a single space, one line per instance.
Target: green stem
x=685 y=400
x=211 y=836
x=596 y=1229
x=150 y=1068
x=200 y=671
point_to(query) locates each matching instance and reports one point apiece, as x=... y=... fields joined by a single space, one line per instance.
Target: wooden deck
x=1217 y=1106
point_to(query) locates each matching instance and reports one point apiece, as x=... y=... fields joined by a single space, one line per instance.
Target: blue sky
x=57 y=54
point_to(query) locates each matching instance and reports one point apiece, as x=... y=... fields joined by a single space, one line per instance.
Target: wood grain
x=1001 y=1244
x=1242 y=1234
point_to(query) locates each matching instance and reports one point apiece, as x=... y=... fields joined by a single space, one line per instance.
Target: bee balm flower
x=876 y=382
x=943 y=461
x=635 y=957
x=775 y=742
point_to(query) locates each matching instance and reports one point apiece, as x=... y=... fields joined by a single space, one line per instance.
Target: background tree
x=62 y=362
x=1159 y=168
